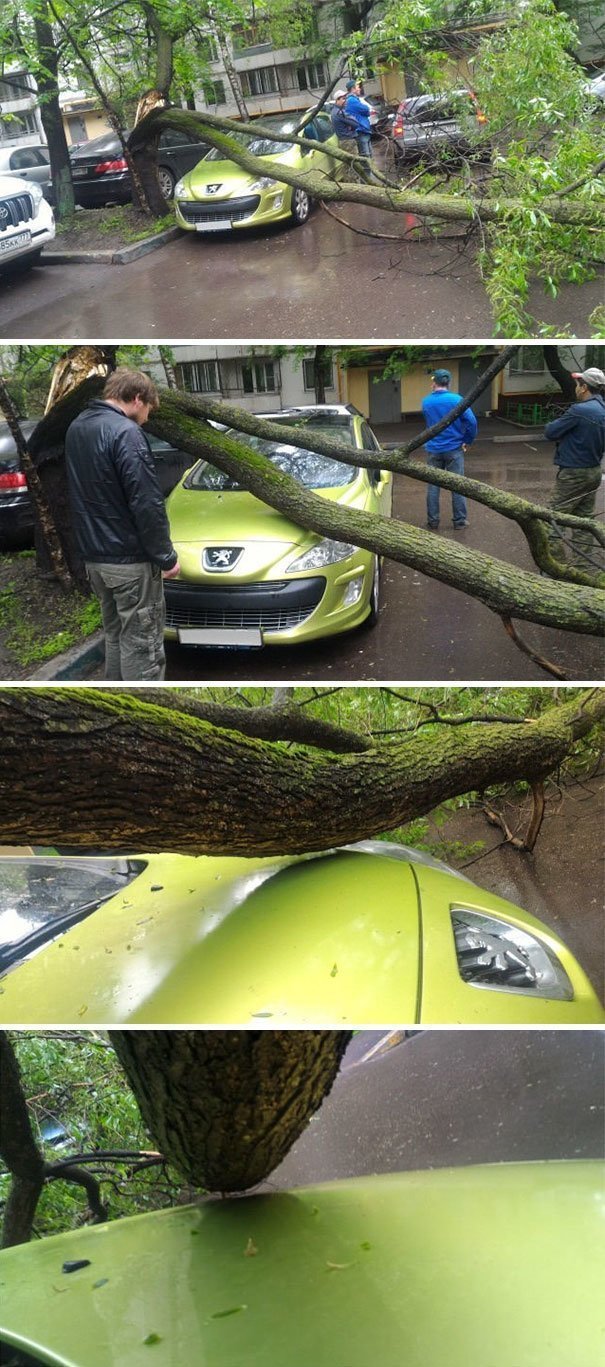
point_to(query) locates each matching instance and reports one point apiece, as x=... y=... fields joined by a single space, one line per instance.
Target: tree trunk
x=230 y=70
x=18 y=1150
x=225 y=1106
x=559 y=373
x=45 y=520
x=47 y=77
x=98 y=768
x=321 y=364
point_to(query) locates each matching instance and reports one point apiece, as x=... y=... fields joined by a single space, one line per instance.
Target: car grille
x=18 y=209
x=234 y=209
x=279 y=606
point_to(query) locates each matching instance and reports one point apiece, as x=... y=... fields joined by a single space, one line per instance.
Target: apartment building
x=20 y=121
x=260 y=380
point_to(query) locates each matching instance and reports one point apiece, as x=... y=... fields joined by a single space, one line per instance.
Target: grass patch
x=113 y=225
x=31 y=640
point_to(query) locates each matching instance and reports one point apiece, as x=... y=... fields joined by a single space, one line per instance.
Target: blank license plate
x=12 y=244
x=79 y=171
x=214 y=225
x=248 y=637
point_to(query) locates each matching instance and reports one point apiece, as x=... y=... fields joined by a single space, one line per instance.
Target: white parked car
x=27 y=222
x=29 y=163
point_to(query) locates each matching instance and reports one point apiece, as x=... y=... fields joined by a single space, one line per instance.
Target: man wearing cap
x=359 y=109
x=580 y=438
x=345 y=128
x=446 y=451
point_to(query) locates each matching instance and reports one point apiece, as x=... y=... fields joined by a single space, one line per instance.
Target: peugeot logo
x=212 y=189
x=220 y=559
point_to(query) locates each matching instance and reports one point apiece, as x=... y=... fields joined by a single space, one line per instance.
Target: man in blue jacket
x=446 y=451
x=580 y=438
x=359 y=109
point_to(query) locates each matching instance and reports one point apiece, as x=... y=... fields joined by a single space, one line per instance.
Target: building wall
x=25 y=129
x=289 y=391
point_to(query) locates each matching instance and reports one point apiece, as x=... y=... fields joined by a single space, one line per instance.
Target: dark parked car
x=16 y=517
x=434 y=126
x=100 y=174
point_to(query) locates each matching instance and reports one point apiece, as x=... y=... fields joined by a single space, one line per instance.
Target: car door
x=179 y=151
x=31 y=163
x=381 y=481
x=321 y=130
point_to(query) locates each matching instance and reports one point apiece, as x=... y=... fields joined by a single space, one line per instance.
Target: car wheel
x=167 y=181
x=301 y=205
x=372 y=617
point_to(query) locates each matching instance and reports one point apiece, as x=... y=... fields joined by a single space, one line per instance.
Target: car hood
x=228 y=175
x=469 y=1265
x=13 y=185
x=293 y=941
x=199 y=515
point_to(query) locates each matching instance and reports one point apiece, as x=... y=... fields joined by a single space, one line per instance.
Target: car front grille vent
x=263 y=619
x=18 y=209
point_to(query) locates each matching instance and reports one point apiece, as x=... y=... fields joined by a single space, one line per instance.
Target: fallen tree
x=224 y=1107
x=101 y=769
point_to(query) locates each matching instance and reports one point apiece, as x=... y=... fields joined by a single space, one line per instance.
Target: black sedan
x=100 y=174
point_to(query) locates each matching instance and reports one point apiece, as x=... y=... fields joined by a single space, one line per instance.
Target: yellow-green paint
x=348 y=938
x=496 y=1266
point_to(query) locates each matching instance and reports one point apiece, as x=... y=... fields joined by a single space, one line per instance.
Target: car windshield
x=306 y=467
x=40 y=895
x=260 y=146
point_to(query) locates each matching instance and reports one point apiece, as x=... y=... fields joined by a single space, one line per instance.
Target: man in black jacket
x=120 y=523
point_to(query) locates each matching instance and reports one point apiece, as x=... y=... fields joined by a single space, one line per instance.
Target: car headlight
x=263 y=183
x=182 y=190
x=324 y=553
x=495 y=954
x=36 y=193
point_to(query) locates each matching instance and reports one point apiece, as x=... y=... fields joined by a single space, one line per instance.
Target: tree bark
x=559 y=373
x=225 y=1106
x=45 y=520
x=18 y=1150
x=98 y=769
x=47 y=79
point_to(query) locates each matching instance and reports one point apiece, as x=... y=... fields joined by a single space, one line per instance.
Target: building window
x=529 y=360
x=214 y=91
x=16 y=87
x=312 y=75
x=17 y=125
x=260 y=377
x=309 y=374
x=251 y=36
x=201 y=377
x=261 y=81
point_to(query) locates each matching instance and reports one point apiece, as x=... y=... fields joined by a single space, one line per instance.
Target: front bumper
x=208 y=215
x=39 y=231
x=285 y=611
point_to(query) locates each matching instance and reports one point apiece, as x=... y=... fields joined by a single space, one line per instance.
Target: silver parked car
x=30 y=163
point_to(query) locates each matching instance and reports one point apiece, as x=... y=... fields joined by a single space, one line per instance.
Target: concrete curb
x=72 y=663
x=110 y=258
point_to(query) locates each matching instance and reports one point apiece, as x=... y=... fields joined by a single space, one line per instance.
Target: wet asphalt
x=318 y=281
x=448 y=1098
x=426 y=630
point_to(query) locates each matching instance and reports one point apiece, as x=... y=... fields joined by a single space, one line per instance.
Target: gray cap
x=338 y=94
x=593 y=377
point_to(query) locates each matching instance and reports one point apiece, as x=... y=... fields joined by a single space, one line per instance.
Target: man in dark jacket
x=580 y=438
x=345 y=128
x=120 y=523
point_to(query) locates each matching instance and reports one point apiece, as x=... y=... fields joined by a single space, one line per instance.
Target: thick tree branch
x=283 y=721
x=100 y=769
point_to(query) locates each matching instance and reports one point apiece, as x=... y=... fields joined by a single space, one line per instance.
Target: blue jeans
x=454 y=462
x=364 y=145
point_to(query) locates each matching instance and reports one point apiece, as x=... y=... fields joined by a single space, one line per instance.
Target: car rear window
x=306 y=467
x=41 y=896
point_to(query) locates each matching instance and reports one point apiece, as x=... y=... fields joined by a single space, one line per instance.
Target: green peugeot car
x=218 y=195
x=491 y=1266
x=362 y=936
x=249 y=576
